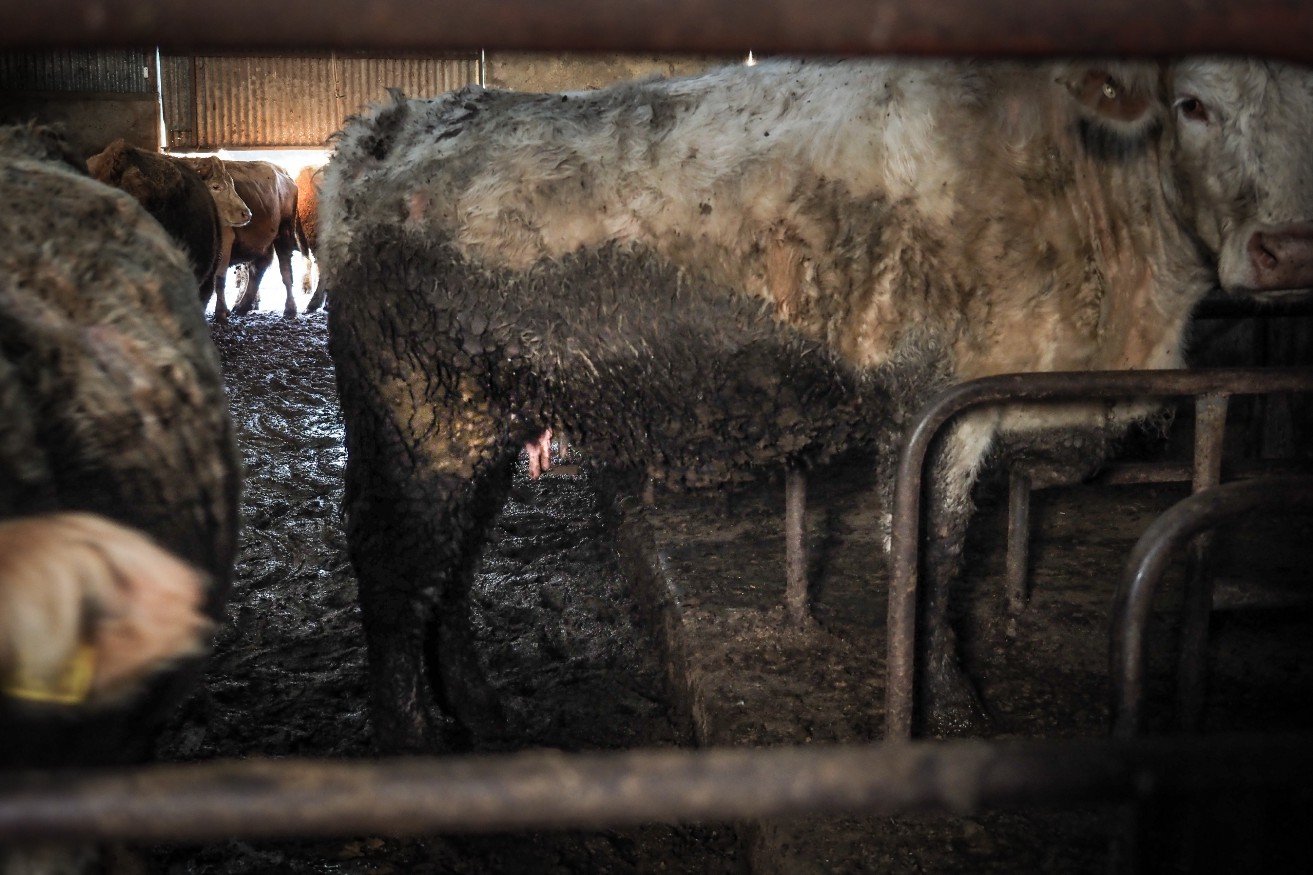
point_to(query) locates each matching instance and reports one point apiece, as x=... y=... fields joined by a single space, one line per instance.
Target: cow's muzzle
x=1281 y=257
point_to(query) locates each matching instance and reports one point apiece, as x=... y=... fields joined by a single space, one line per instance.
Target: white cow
x=763 y=264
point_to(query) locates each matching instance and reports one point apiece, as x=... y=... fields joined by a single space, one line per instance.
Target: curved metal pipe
x=1144 y=569
x=1016 y=388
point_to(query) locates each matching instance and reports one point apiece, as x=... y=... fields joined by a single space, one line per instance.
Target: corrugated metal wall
x=116 y=72
x=213 y=102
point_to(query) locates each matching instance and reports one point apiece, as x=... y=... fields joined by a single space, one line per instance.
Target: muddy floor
x=1042 y=674
x=577 y=653
x=562 y=646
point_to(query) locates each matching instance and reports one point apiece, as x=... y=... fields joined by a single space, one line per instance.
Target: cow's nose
x=1282 y=258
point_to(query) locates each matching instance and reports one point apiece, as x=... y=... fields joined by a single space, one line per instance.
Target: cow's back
x=307 y=203
x=111 y=402
x=172 y=193
x=271 y=196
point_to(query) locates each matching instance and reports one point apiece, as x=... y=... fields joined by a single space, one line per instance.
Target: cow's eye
x=1192 y=108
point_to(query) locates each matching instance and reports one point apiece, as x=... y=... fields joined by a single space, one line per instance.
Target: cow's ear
x=1112 y=97
x=111 y=163
x=135 y=183
x=202 y=166
x=1118 y=105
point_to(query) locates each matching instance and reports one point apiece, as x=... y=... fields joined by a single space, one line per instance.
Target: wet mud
x=564 y=658
x=753 y=679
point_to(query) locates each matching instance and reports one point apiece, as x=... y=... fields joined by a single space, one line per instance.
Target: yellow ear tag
x=71 y=687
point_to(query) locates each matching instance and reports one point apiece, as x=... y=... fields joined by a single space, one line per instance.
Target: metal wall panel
x=118 y=72
x=213 y=102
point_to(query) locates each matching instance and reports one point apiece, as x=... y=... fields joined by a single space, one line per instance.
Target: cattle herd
x=694 y=278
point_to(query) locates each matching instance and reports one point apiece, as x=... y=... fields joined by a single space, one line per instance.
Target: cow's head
x=1242 y=137
x=232 y=209
x=148 y=177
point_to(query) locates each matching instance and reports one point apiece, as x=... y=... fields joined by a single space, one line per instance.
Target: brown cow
x=193 y=209
x=272 y=197
x=307 y=213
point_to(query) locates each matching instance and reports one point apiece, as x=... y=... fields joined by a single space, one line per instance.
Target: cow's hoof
x=950 y=705
x=419 y=731
x=219 y=318
x=289 y=313
x=242 y=311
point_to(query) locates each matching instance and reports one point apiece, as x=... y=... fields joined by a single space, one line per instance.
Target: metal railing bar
x=1012 y=389
x=1276 y=28
x=267 y=799
x=1144 y=569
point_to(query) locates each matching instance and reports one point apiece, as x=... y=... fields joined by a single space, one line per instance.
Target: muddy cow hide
x=193 y=210
x=118 y=469
x=307 y=214
x=697 y=276
x=273 y=231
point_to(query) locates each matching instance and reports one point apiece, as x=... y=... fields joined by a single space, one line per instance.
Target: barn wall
x=524 y=71
x=90 y=122
x=119 y=72
x=96 y=97
x=299 y=101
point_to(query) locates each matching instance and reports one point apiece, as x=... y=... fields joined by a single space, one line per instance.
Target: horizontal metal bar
x=1290 y=302
x=1133 y=473
x=1026 y=27
x=1149 y=559
x=1249 y=594
x=304 y=798
x=1013 y=389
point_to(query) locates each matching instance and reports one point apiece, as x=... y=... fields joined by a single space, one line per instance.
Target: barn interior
x=609 y=615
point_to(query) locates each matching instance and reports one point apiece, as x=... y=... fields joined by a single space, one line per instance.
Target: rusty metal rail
x=1011 y=389
x=1017 y=27
x=1290 y=302
x=1144 y=570
x=1210 y=421
x=299 y=798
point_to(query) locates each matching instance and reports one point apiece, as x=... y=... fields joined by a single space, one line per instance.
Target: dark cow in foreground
x=193 y=209
x=273 y=231
x=308 y=182
x=118 y=469
x=767 y=264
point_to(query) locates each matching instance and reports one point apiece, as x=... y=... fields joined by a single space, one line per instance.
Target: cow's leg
x=250 y=298
x=220 y=295
x=220 y=274
x=950 y=704
x=429 y=464
x=283 y=248
x=317 y=299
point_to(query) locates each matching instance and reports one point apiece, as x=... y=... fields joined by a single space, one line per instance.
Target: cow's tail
x=303 y=246
x=298 y=234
